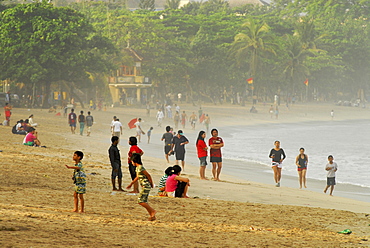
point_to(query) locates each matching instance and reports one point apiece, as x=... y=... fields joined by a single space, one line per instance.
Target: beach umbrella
x=201 y=119
x=131 y=123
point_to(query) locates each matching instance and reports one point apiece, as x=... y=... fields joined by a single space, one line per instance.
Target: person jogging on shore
x=277 y=155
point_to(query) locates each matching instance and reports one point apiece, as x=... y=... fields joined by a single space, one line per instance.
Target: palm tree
x=251 y=45
x=295 y=70
x=172 y=4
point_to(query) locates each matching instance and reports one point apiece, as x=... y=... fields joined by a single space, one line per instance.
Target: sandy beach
x=36 y=192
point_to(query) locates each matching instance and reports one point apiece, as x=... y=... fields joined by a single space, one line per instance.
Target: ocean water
x=346 y=140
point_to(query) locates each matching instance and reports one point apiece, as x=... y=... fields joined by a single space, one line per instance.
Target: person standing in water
x=301 y=161
x=277 y=155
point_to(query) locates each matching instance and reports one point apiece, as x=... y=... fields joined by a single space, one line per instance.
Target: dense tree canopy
x=204 y=49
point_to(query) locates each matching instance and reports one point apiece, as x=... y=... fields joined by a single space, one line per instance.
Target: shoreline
x=233 y=213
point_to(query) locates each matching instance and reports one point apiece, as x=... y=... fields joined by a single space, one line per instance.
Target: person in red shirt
x=8 y=113
x=216 y=143
x=202 y=154
x=133 y=149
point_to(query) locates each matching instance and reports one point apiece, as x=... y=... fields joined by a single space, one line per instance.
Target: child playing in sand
x=146 y=183
x=149 y=133
x=162 y=182
x=177 y=186
x=79 y=178
x=331 y=167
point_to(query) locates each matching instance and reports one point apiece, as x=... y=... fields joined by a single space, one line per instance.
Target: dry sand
x=36 y=194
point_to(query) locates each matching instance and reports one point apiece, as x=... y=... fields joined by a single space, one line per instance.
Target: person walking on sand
x=115 y=162
x=149 y=133
x=72 y=121
x=8 y=113
x=216 y=143
x=178 y=146
x=207 y=121
x=131 y=167
x=202 y=154
x=176 y=119
x=89 y=122
x=117 y=128
x=331 y=167
x=301 y=161
x=139 y=130
x=160 y=117
x=276 y=112
x=332 y=114
x=277 y=155
x=193 y=120
x=167 y=138
x=81 y=120
x=271 y=111
x=146 y=183
x=111 y=125
x=79 y=179
x=183 y=119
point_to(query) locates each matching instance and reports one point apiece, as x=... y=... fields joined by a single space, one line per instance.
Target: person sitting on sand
x=133 y=149
x=52 y=109
x=19 y=129
x=31 y=121
x=79 y=179
x=177 y=186
x=31 y=138
x=146 y=183
x=162 y=182
x=301 y=161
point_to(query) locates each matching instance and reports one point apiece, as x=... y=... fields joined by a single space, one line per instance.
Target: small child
x=149 y=133
x=331 y=167
x=146 y=183
x=79 y=179
x=162 y=182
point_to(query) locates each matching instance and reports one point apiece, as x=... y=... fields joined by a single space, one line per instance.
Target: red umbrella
x=201 y=119
x=131 y=124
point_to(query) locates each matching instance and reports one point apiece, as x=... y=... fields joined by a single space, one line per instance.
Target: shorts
x=138 y=132
x=180 y=155
x=116 y=134
x=171 y=194
x=117 y=174
x=301 y=168
x=203 y=161
x=29 y=143
x=167 y=149
x=216 y=159
x=132 y=170
x=89 y=129
x=143 y=196
x=277 y=164
x=72 y=124
x=330 y=181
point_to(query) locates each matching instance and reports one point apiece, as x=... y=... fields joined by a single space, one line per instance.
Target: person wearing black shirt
x=277 y=155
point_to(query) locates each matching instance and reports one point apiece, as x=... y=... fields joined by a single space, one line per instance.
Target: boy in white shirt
x=331 y=167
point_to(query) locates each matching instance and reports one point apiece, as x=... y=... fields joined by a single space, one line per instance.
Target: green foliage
x=147 y=4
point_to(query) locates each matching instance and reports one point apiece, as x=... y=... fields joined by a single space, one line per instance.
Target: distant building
x=127 y=85
x=238 y=3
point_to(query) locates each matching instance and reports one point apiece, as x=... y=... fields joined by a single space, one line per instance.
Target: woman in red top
x=202 y=154
x=133 y=149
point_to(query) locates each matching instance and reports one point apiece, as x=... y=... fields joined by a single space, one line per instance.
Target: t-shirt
x=81 y=118
x=18 y=126
x=89 y=120
x=171 y=183
x=116 y=126
x=278 y=154
x=114 y=156
x=29 y=138
x=138 y=125
x=331 y=172
x=177 y=141
x=72 y=117
x=167 y=137
x=214 y=141
x=133 y=149
x=144 y=181
x=200 y=148
x=162 y=182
